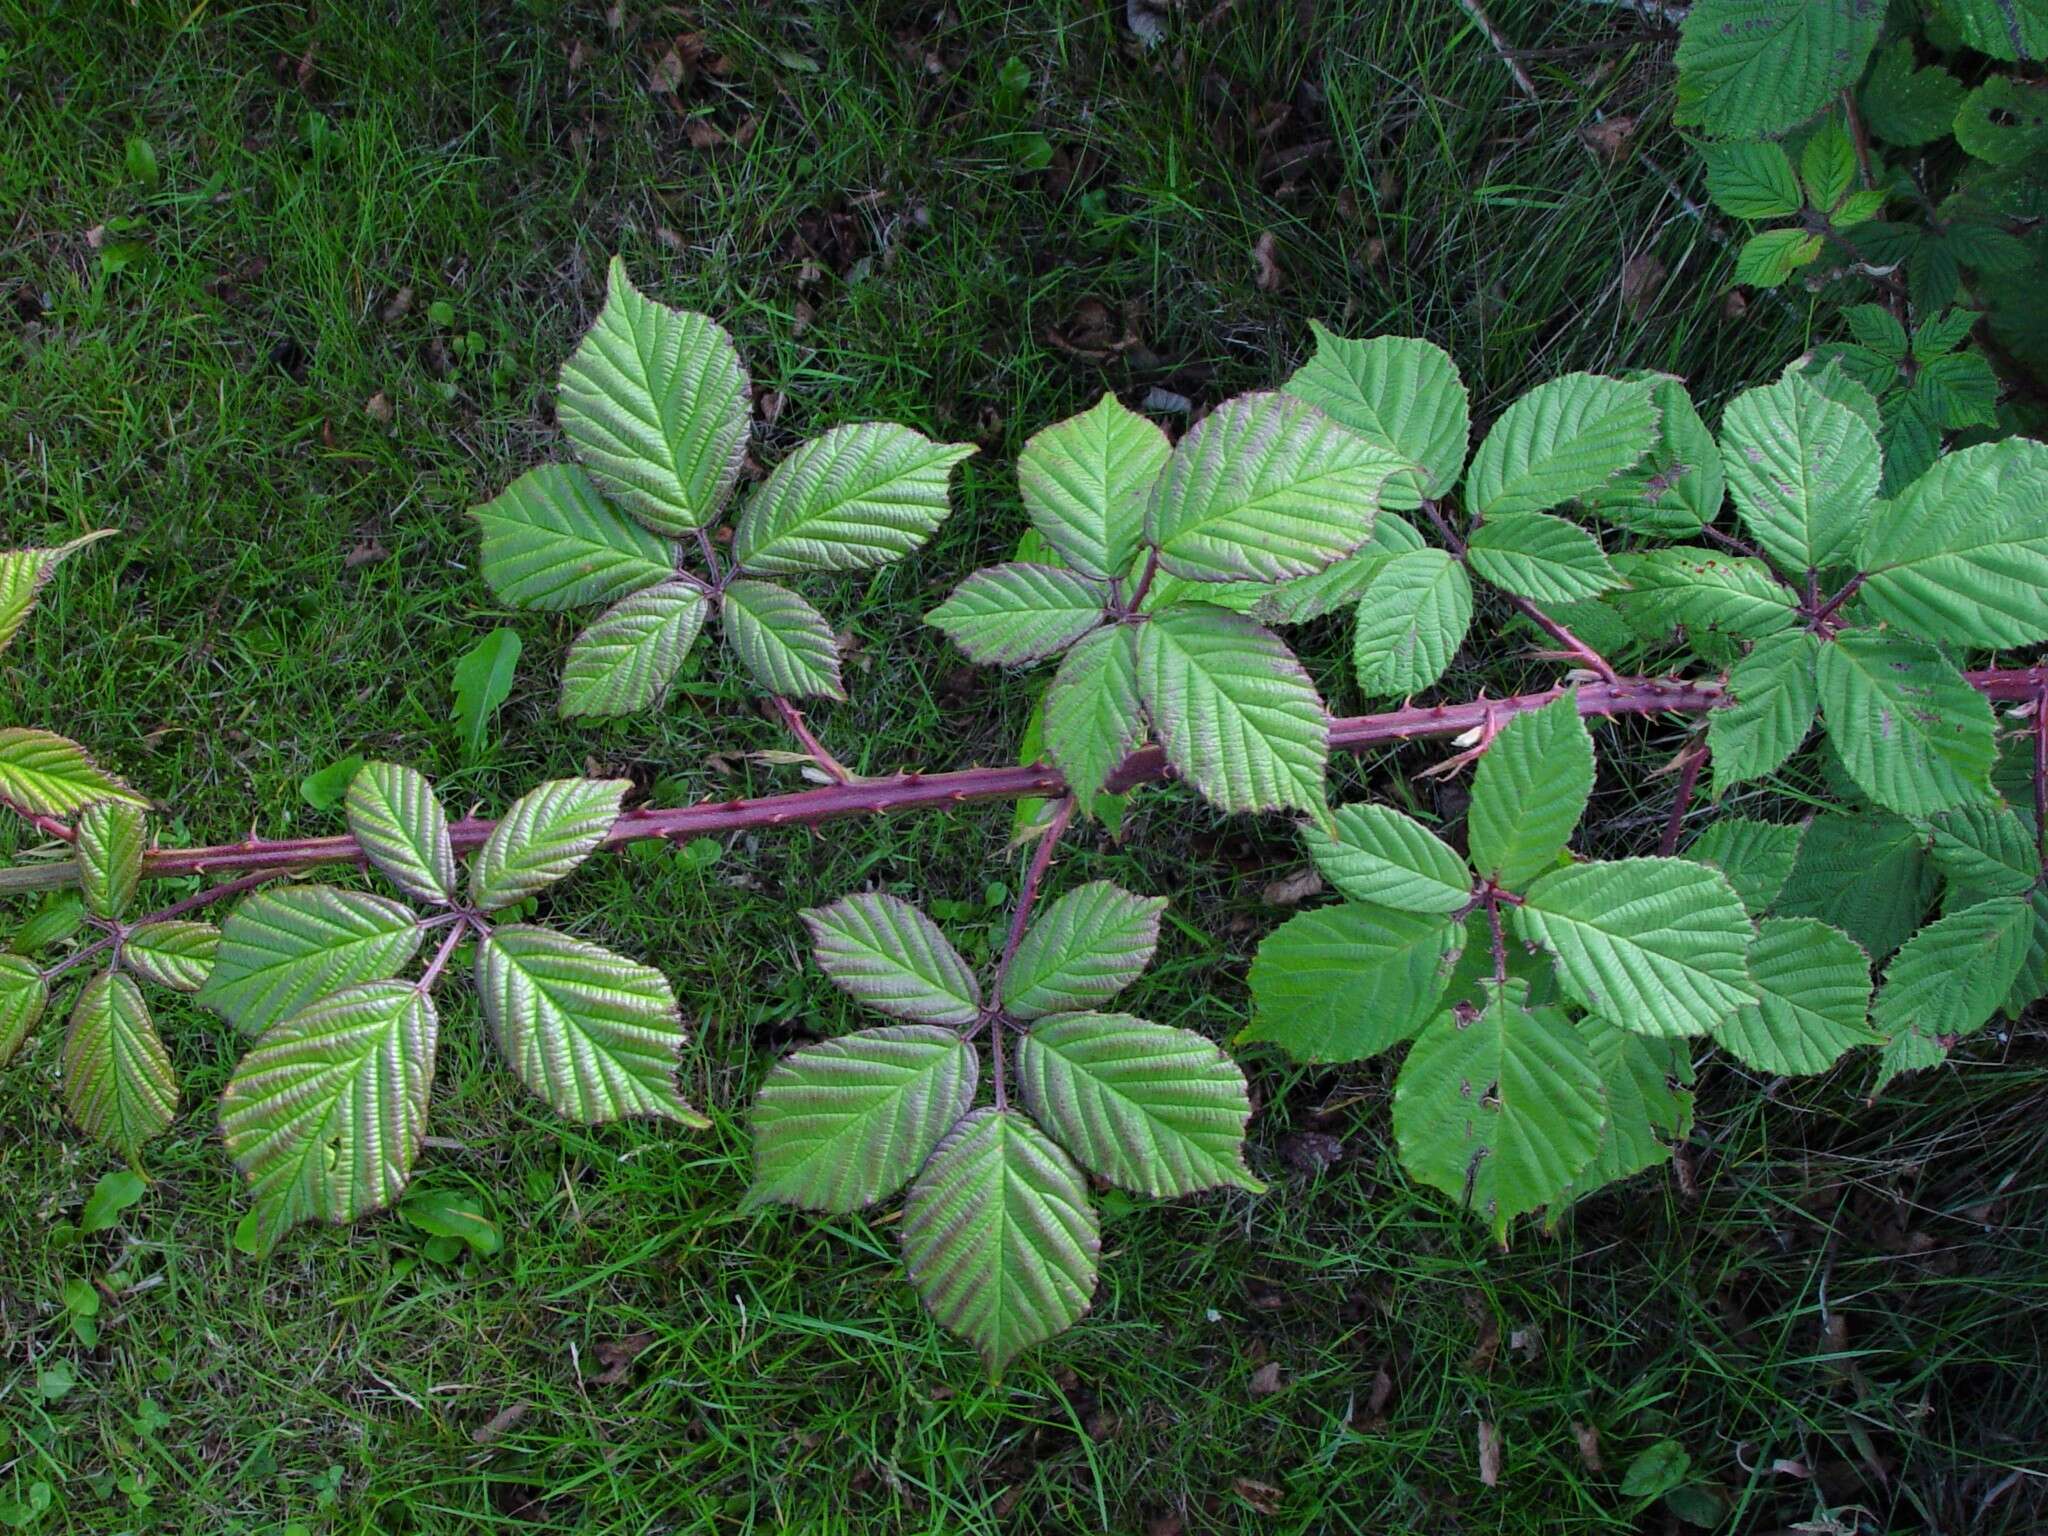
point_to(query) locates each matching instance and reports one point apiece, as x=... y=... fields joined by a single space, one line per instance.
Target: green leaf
x=282 y=948
x=1909 y=106
x=23 y=573
x=1540 y=557
x=1658 y=1470
x=1411 y=621
x=550 y=542
x=112 y=835
x=178 y=954
x=1952 y=975
x=1157 y=1111
x=325 y=788
x=628 y=657
x=656 y=403
x=56 y=918
x=1082 y=950
x=1659 y=946
x=1379 y=856
x=1803 y=470
x=1867 y=874
x=785 y=643
x=2013 y=30
x=999 y=1238
x=1705 y=593
x=1562 y=440
x=1529 y=792
x=846 y=1122
x=1266 y=486
x=1649 y=1103
x=593 y=1033
x=1877 y=330
x=1499 y=1110
x=885 y=952
x=1086 y=480
x=1325 y=591
x=1237 y=716
x=1813 y=999
x=1963 y=554
x=1679 y=486
x=1400 y=393
x=1775 y=697
x=1094 y=718
x=23 y=996
x=324 y=1115
x=1008 y=615
x=1751 y=180
x=1827 y=165
x=1756 y=856
x=482 y=681
x=463 y=1217
x=1344 y=983
x=1984 y=847
x=548 y=832
x=1751 y=69
x=1913 y=734
x=118 y=1082
x=1768 y=259
x=112 y=1194
x=2002 y=122
x=396 y=816
x=46 y=775
x=860 y=496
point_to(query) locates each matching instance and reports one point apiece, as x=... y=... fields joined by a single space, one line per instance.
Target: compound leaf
x=395 y=815
x=44 y=774
x=1985 y=847
x=628 y=657
x=2012 y=30
x=1540 y=557
x=1649 y=1103
x=118 y=1082
x=1952 y=975
x=781 y=639
x=1803 y=469
x=1011 y=614
x=1756 y=856
x=1529 y=792
x=1379 y=856
x=1867 y=874
x=1774 y=698
x=1411 y=620
x=23 y=996
x=1086 y=481
x=1705 y=594
x=178 y=953
x=885 y=952
x=112 y=835
x=1751 y=69
x=859 y=496
x=282 y=948
x=1347 y=982
x=1325 y=591
x=548 y=832
x=1562 y=440
x=1752 y=179
x=1678 y=488
x=550 y=542
x=1082 y=950
x=1910 y=730
x=1094 y=718
x=1813 y=999
x=1399 y=392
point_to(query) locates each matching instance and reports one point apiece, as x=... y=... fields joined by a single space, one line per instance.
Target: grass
x=1850 y=1289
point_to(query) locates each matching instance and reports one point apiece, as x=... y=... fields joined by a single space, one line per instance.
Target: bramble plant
x=1548 y=1000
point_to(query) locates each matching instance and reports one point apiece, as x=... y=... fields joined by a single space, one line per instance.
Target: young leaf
x=118 y=1082
x=23 y=996
x=1234 y=711
x=859 y=496
x=23 y=573
x=46 y=775
x=1649 y=1103
x=1344 y=983
x=284 y=947
x=1768 y=259
x=1086 y=480
x=1399 y=392
x=176 y=954
x=883 y=951
x=1540 y=557
x=656 y=403
x=1812 y=1003
x=1756 y=856
x=846 y=1122
x=1803 y=469
x=482 y=681
x=784 y=642
x=999 y=1238
x=1008 y=615
x=1378 y=856
x=1082 y=950
x=1561 y=440
x=1155 y=1110
x=1411 y=621
x=1952 y=975
x=1913 y=734
x=628 y=657
x=112 y=835
x=548 y=832
x=1266 y=486
x=591 y=1032
x=1827 y=165
x=550 y=543
x=396 y=816
x=1751 y=180
x=1659 y=946
x=1774 y=698
x=324 y=1115
x=1499 y=1111
x=1529 y=791
x=1094 y=718
x=1678 y=488
x=325 y=788
x=1751 y=69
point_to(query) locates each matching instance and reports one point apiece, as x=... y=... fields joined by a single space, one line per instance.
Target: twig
x=1573 y=645
x=2041 y=778
x=432 y=973
x=1691 y=761
x=1501 y=46
x=1144 y=582
x=793 y=718
x=1653 y=10
x=1020 y=918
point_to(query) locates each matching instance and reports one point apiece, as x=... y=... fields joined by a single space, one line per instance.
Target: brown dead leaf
x=1589 y=1445
x=364 y=552
x=1489 y=1454
x=618 y=1355
x=1310 y=1152
x=1609 y=138
x=1265 y=1380
x=1735 y=306
x=378 y=408
x=1527 y=1343
x=396 y=306
x=499 y=1423
x=1292 y=889
x=1263 y=1497
x=1641 y=277
x=1382 y=1393
x=1486 y=1349
x=702 y=132
x=1096 y=331
x=1266 y=263
x=667 y=74
x=800 y=317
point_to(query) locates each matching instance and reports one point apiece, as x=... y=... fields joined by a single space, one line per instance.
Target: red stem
x=1020 y=919
x=1694 y=760
x=2041 y=778
x=792 y=718
x=1574 y=647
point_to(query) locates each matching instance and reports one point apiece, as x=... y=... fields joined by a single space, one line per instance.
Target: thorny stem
x=432 y=973
x=1144 y=582
x=1020 y=919
x=1491 y=901
x=1573 y=646
x=1826 y=610
x=2041 y=778
x=1692 y=761
x=793 y=719
x=712 y=568
x=176 y=909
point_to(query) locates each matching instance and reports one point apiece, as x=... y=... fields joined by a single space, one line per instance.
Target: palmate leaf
x=1011 y=614
x=1906 y=105
x=550 y=542
x=594 y=1034
x=1560 y=441
x=1094 y=718
x=1411 y=620
x=23 y=573
x=1399 y=392
x=1086 y=481
x=46 y=775
x=282 y=948
x=846 y=1122
x=1659 y=946
x=1343 y=983
x=1499 y=1110
x=883 y=951
x=1910 y=730
x=112 y=835
x=324 y=1115
x=1649 y=1103
x=1379 y=856
x=1082 y=950
x=23 y=997
x=783 y=642
x=1813 y=999
x=548 y=832
x=1751 y=69
x=118 y=1082
x=1158 y=1111
x=1756 y=856
x=1803 y=469
x=628 y=657
x=1540 y=557
x=1529 y=791
x=999 y=1238
x=1774 y=699
x=859 y=496
x=656 y=403
x=395 y=815
x=1266 y=486
x=177 y=954
x=1235 y=713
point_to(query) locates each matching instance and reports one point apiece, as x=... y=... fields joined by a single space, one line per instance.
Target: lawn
x=283 y=344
